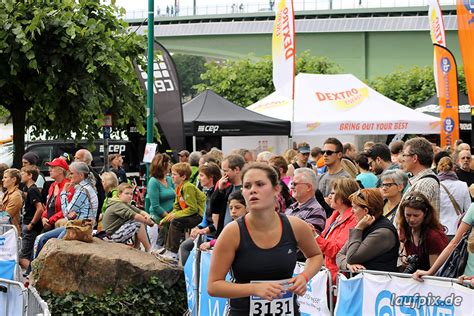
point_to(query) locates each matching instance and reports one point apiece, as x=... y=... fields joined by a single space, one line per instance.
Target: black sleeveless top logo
x=252 y=263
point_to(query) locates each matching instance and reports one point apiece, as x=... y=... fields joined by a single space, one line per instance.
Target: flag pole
x=150 y=79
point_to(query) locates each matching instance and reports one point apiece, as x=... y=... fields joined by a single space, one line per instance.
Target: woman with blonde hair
x=373 y=243
x=12 y=201
x=454 y=196
x=110 y=183
x=290 y=155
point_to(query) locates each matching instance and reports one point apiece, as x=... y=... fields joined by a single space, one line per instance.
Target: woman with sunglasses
x=373 y=243
x=336 y=233
x=420 y=231
x=393 y=182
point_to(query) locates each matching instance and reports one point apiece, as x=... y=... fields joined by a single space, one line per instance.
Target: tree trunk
x=18 y=118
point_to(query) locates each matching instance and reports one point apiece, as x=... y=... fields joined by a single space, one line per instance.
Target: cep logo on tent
x=208 y=128
x=2 y=241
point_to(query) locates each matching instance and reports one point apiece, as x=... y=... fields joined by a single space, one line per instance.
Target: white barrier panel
x=314 y=302
x=368 y=294
x=12 y=298
x=8 y=254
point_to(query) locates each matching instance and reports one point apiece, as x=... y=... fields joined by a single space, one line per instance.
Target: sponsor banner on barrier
x=315 y=301
x=208 y=305
x=8 y=254
x=367 y=294
x=190 y=277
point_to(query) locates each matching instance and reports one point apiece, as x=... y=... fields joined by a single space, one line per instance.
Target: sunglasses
x=359 y=194
x=329 y=152
x=414 y=198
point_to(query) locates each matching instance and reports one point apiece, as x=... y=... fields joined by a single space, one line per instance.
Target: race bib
x=277 y=307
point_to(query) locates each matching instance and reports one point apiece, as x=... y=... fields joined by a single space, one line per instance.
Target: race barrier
x=383 y=293
x=316 y=301
x=9 y=248
x=16 y=299
x=36 y=305
x=13 y=298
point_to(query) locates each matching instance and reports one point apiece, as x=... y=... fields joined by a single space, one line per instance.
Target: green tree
x=411 y=87
x=64 y=64
x=244 y=82
x=189 y=70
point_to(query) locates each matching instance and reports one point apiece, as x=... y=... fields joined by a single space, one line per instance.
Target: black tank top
x=252 y=263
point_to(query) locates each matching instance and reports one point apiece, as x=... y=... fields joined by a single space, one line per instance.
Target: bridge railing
x=240 y=7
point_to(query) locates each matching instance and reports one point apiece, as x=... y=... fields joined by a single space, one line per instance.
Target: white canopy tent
x=343 y=105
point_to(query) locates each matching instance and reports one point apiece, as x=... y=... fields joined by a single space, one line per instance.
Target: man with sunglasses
x=301 y=159
x=417 y=159
x=332 y=155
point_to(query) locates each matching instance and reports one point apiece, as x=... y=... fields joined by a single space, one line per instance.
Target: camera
x=413 y=263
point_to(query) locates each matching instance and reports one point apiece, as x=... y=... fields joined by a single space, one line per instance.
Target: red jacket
x=58 y=214
x=331 y=243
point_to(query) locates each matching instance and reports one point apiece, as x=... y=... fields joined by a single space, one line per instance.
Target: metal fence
x=241 y=7
x=16 y=299
x=36 y=305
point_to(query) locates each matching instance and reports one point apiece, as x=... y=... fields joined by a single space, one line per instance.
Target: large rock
x=90 y=268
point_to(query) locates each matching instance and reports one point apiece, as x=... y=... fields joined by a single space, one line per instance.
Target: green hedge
x=152 y=298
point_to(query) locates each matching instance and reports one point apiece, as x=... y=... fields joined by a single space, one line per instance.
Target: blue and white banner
x=8 y=254
x=190 y=277
x=208 y=305
x=368 y=294
x=315 y=301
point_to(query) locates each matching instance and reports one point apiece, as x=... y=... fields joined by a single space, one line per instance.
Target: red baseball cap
x=58 y=162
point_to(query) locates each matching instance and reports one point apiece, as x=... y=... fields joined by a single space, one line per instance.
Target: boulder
x=90 y=268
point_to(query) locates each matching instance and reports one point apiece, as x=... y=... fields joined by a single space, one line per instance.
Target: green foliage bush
x=152 y=298
x=244 y=81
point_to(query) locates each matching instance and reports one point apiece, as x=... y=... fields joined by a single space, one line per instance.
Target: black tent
x=209 y=114
x=431 y=107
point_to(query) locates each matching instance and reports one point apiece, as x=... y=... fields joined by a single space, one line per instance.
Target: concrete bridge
x=367 y=42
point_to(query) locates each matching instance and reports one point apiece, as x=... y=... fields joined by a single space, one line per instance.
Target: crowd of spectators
x=388 y=208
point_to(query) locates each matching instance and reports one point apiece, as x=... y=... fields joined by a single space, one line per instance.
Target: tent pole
x=194 y=143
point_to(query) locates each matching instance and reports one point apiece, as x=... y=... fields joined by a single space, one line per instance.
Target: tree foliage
x=189 y=70
x=64 y=64
x=411 y=87
x=244 y=82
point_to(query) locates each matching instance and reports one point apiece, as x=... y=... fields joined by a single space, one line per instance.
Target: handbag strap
x=457 y=208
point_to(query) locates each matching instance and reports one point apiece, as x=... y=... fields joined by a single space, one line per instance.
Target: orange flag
x=448 y=95
x=465 y=14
